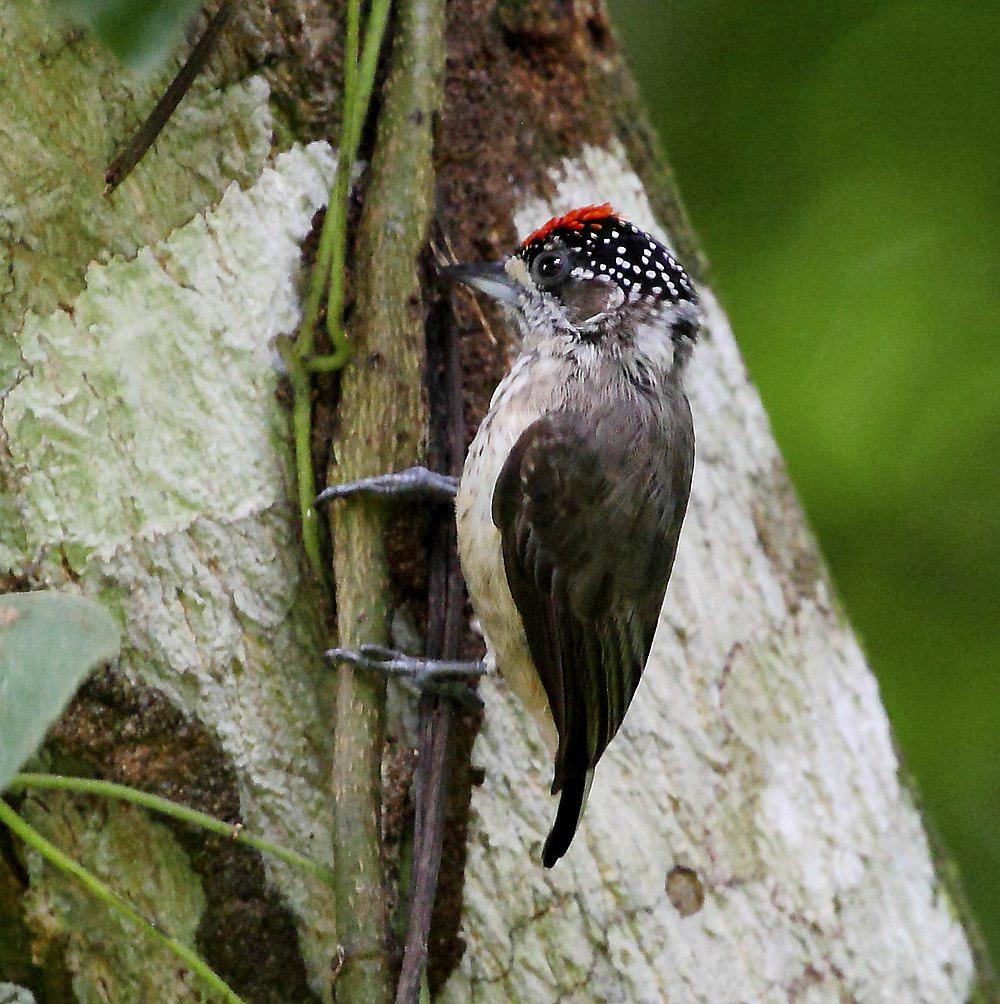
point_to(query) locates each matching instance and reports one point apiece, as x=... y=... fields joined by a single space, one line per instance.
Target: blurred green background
x=841 y=163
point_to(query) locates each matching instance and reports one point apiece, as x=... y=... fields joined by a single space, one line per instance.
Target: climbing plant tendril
x=328 y=268
x=93 y=885
x=123 y=793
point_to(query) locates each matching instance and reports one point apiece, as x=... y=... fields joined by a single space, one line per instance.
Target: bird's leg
x=443 y=677
x=414 y=482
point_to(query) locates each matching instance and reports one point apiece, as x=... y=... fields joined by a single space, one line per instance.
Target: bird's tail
x=571 y=804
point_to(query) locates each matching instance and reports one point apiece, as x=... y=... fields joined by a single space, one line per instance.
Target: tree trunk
x=749 y=835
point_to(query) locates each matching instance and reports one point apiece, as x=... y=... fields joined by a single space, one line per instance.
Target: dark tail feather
x=571 y=803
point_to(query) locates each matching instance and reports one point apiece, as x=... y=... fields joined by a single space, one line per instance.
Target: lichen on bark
x=58 y=86
x=195 y=548
x=128 y=851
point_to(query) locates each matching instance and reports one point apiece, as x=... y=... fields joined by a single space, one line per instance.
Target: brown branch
x=145 y=136
x=382 y=417
x=444 y=631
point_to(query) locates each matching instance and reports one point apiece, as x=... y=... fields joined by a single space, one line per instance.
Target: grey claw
x=443 y=677
x=414 y=481
x=344 y=655
x=378 y=653
x=366 y=656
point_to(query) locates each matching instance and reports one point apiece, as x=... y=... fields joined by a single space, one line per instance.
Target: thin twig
x=444 y=632
x=183 y=813
x=113 y=901
x=446 y=601
x=144 y=137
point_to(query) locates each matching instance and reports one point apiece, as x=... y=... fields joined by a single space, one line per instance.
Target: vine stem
x=123 y=793
x=328 y=268
x=445 y=618
x=355 y=110
x=113 y=901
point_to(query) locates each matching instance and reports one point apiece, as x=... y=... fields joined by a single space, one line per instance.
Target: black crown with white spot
x=606 y=245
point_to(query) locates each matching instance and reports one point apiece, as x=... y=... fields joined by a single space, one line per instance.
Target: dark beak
x=488 y=277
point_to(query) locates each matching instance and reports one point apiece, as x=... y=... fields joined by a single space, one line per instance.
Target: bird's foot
x=413 y=482
x=442 y=677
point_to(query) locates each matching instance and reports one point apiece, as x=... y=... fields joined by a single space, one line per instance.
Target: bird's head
x=586 y=274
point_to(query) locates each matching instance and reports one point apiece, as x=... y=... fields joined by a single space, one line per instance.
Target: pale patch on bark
x=10 y=993
x=147 y=457
x=756 y=755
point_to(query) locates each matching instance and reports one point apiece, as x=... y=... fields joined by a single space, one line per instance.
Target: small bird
x=574 y=489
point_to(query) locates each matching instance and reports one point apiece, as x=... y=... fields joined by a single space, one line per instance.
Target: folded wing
x=589 y=510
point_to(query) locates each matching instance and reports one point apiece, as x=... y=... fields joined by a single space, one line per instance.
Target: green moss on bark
x=66 y=108
x=139 y=860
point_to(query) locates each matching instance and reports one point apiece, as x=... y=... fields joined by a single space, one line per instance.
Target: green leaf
x=49 y=641
x=138 y=32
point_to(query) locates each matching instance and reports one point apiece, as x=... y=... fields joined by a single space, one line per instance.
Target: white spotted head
x=590 y=272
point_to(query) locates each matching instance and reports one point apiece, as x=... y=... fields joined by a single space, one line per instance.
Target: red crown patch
x=574 y=220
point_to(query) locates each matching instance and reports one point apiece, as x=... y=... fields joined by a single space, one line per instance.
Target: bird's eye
x=549 y=268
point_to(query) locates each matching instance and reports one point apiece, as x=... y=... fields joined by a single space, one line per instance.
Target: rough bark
x=748 y=836
x=145 y=461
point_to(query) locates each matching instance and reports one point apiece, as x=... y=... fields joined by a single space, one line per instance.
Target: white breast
x=517 y=402
x=559 y=372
